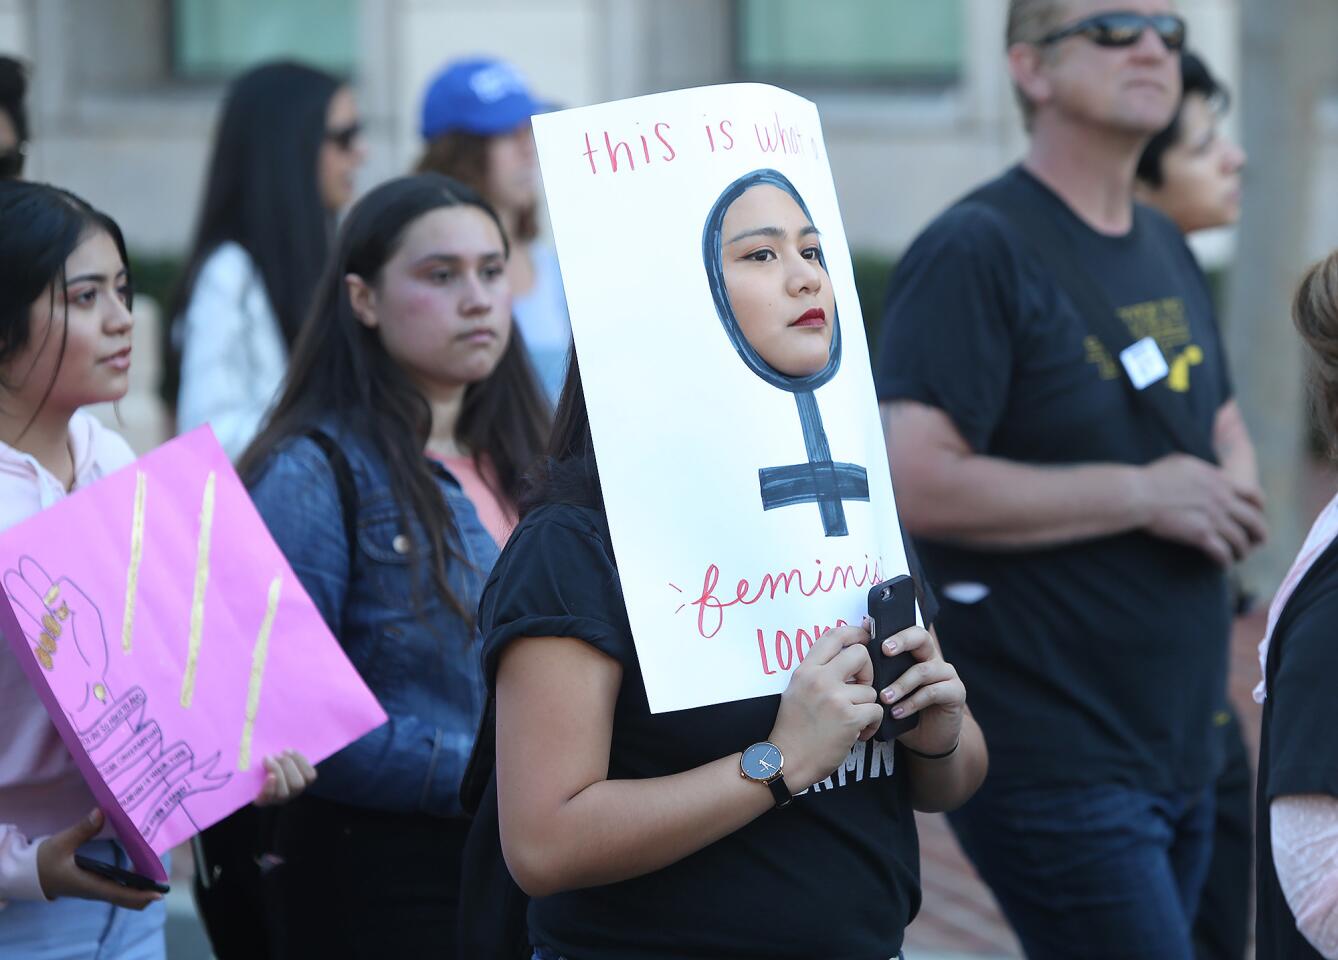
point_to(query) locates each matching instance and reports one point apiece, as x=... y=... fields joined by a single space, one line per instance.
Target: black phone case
x=892 y=609
x=114 y=873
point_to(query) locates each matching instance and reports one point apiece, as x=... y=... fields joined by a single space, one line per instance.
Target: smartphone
x=892 y=609
x=114 y=873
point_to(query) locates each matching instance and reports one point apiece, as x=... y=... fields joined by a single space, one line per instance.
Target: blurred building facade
x=914 y=97
x=915 y=102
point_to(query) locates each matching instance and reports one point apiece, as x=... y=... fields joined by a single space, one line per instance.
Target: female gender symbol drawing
x=769 y=280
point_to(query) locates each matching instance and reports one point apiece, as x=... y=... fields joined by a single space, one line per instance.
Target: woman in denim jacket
x=408 y=363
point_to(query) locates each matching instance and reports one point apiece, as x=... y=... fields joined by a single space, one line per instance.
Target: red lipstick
x=816 y=317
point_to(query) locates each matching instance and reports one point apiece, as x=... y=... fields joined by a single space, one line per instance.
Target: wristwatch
x=763 y=763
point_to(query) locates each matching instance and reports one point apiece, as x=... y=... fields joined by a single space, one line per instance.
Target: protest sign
x=172 y=645
x=727 y=378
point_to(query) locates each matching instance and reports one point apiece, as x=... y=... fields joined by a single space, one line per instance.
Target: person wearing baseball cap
x=475 y=125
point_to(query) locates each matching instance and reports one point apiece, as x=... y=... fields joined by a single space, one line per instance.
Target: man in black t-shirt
x=1078 y=552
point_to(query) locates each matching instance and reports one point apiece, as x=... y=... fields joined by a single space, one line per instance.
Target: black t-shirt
x=1101 y=661
x=1298 y=752
x=835 y=874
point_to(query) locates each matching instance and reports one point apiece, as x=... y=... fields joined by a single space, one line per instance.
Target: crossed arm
x=947 y=491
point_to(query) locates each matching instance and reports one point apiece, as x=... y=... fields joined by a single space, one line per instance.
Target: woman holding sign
x=65 y=327
x=386 y=474
x=770 y=827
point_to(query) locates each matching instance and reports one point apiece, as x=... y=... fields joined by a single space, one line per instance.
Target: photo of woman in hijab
x=764 y=263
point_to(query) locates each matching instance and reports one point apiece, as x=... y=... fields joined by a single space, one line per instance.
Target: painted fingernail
x=866 y=624
x=891 y=694
x=897 y=712
x=890 y=646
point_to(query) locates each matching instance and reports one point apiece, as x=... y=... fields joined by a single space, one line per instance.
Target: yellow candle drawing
x=136 y=554
x=197 y=599
x=259 y=653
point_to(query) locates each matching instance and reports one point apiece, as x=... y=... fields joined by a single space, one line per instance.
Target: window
x=211 y=39
x=850 y=42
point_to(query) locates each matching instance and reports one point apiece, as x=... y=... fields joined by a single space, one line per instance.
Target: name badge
x=1144 y=363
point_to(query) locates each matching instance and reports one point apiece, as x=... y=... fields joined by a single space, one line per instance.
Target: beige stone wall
x=111 y=126
x=557 y=43
x=138 y=147
x=13 y=27
x=108 y=130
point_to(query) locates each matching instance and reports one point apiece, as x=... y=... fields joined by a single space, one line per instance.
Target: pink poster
x=172 y=645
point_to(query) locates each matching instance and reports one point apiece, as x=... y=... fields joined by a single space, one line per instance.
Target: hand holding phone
x=62 y=875
x=892 y=609
x=125 y=878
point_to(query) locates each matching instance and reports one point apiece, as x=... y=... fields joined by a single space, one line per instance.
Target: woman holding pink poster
x=65 y=327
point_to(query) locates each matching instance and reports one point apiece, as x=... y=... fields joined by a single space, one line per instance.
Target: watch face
x=761 y=761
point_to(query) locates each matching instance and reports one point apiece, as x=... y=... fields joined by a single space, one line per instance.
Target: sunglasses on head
x=343 y=137
x=1123 y=29
x=11 y=162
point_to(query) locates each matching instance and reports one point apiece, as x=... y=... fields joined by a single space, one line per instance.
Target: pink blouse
x=41 y=791
x=498 y=517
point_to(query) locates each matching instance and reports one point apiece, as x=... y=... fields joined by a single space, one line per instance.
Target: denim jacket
x=423 y=667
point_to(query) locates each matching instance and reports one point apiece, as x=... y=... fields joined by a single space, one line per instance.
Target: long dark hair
x=340 y=371
x=262 y=190
x=40 y=225
x=568 y=472
x=463 y=155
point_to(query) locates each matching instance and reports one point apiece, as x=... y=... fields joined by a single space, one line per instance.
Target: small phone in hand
x=892 y=609
x=125 y=878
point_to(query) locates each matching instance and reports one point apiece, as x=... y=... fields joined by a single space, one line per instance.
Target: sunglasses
x=11 y=163
x=343 y=137
x=1123 y=29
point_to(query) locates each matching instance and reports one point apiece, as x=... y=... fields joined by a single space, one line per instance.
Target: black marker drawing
x=64 y=629
x=770 y=285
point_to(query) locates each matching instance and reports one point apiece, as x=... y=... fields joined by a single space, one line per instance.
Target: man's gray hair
x=1028 y=22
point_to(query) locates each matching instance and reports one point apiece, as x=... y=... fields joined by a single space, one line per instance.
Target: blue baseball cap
x=479 y=95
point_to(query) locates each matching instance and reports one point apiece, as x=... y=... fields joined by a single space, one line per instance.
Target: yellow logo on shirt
x=1162 y=320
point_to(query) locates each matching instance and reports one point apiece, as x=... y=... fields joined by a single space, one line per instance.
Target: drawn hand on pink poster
x=172 y=726
x=65 y=629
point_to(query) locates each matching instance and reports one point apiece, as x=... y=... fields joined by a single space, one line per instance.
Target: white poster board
x=736 y=430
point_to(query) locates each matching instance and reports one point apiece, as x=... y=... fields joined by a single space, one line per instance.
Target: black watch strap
x=780 y=791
